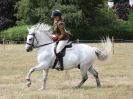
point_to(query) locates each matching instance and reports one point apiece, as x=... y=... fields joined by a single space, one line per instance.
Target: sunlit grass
x=115 y=76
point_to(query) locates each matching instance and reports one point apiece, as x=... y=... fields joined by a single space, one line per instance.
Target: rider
x=63 y=35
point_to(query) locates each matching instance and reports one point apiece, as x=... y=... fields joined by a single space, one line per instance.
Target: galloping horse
x=80 y=55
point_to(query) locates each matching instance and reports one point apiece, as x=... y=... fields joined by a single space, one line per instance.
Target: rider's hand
x=55 y=37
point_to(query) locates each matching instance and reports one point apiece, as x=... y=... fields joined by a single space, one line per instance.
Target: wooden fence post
x=77 y=40
x=113 y=45
x=3 y=40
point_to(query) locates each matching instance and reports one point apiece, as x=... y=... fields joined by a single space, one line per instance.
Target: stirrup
x=59 y=68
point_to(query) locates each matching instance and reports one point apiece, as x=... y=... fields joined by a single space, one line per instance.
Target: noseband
x=34 y=38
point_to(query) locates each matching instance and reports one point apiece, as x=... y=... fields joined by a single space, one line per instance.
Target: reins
x=43 y=45
x=37 y=42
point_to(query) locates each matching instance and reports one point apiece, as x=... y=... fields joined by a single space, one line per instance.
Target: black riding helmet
x=56 y=13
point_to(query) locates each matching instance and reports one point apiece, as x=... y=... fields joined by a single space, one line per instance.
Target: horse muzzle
x=29 y=48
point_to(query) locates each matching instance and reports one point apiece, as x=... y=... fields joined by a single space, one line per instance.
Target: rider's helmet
x=56 y=13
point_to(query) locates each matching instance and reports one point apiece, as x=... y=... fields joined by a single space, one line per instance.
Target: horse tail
x=106 y=51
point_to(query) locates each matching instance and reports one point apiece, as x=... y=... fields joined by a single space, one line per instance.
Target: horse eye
x=30 y=39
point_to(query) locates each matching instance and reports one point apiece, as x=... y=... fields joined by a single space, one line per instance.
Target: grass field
x=116 y=76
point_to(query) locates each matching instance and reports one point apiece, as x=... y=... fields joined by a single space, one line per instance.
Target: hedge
x=123 y=31
x=15 y=33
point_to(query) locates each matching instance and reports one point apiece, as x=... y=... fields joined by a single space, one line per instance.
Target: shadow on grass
x=95 y=87
x=86 y=87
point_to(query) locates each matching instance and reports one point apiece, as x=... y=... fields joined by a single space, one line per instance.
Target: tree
x=33 y=11
x=7 y=17
x=79 y=15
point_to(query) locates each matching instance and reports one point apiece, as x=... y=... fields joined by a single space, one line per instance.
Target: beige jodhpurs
x=61 y=45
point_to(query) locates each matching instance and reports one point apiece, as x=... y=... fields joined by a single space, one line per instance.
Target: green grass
x=115 y=76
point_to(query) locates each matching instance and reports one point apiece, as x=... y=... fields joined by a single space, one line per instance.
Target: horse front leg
x=45 y=75
x=36 y=68
x=29 y=75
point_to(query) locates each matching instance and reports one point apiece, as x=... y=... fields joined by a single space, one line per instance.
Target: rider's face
x=56 y=18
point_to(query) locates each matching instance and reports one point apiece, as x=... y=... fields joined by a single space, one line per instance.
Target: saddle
x=62 y=54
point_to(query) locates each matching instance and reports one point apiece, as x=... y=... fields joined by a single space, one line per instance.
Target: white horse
x=80 y=55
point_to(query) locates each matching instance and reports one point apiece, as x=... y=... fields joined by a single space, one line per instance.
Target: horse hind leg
x=95 y=74
x=84 y=76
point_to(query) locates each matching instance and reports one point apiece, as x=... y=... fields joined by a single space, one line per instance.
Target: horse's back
x=83 y=48
x=83 y=51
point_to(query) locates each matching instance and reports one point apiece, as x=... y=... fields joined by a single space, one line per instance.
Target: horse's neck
x=49 y=49
x=43 y=38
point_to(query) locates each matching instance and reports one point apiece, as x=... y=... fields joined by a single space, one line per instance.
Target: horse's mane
x=41 y=27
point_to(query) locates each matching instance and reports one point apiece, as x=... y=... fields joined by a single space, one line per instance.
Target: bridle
x=34 y=38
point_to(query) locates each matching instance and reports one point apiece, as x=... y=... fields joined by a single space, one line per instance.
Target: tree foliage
x=86 y=19
x=77 y=13
x=7 y=11
x=32 y=11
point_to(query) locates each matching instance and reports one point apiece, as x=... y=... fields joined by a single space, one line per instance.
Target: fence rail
x=11 y=42
x=75 y=41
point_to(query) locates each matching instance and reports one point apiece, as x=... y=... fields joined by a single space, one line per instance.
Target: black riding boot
x=60 y=59
x=61 y=63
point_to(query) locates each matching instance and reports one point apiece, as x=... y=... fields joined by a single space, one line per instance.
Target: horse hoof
x=41 y=89
x=99 y=86
x=28 y=84
x=76 y=87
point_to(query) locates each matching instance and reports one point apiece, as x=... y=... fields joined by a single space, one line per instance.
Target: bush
x=15 y=33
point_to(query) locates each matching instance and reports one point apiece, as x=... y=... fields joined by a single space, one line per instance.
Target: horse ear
x=28 y=29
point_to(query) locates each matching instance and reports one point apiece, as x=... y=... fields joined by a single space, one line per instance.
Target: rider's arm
x=62 y=30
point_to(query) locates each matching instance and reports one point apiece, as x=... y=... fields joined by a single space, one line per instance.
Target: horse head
x=38 y=35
